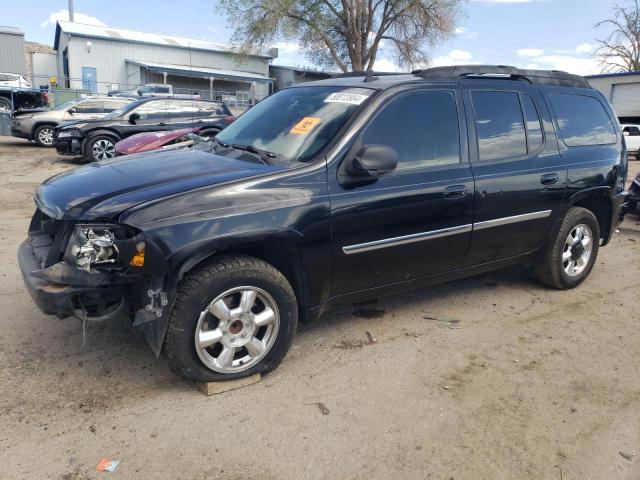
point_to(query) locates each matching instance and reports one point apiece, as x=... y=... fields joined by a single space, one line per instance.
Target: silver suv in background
x=38 y=125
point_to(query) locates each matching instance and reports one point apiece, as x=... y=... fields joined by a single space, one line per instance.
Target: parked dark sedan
x=96 y=139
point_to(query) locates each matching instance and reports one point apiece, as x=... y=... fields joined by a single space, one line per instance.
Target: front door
x=153 y=116
x=415 y=221
x=89 y=79
x=519 y=175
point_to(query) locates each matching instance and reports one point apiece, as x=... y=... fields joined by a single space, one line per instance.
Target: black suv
x=328 y=193
x=95 y=139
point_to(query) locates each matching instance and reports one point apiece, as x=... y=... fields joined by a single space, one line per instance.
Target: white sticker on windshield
x=352 y=98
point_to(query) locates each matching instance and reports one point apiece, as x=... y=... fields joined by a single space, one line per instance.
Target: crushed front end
x=97 y=269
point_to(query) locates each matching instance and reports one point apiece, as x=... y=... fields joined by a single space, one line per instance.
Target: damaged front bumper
x=61 y=288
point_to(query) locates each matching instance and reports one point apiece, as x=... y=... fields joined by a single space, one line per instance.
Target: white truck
x=632 y=139
x=154 y=90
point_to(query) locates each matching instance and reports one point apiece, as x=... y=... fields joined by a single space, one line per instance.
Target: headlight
x=69 y=133
x=104 y=245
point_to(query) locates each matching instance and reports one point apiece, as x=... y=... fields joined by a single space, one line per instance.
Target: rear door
x=519 y=175
x=415 y=221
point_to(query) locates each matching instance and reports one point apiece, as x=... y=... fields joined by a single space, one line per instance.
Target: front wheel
x=572 y=252
x=43 y=135
x=100 y=147
x=232 y=318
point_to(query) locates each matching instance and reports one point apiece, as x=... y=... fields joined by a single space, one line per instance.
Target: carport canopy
x=201 y=72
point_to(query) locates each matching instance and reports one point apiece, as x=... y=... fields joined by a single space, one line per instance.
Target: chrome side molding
x=418 y=237
x=514 y=219
x=415 y=237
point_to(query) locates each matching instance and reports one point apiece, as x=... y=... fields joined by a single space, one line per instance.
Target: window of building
x=582 y=120
x=422 y=127
x=499 y=125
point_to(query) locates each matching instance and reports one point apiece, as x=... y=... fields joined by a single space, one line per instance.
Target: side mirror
x=372 y=161
x=133 y=118
x=72 y=110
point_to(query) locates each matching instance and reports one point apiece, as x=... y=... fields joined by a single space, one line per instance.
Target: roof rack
x=541 y=77
x=365 y=74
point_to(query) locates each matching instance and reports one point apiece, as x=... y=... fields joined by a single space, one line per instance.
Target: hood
x=93 y=121
x=103 y=190
x=144 y=142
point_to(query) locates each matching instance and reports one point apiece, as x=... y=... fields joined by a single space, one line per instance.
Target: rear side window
x=499 y=125
x=532 y=120
x=582 y=120
x=422 y=127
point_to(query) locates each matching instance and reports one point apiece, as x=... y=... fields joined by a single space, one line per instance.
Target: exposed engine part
x=98 y=249
x=158 y=299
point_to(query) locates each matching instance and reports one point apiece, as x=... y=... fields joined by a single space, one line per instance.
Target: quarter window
x=499 y=125
x=532 y=119
x=582 y=120
x=422 y=127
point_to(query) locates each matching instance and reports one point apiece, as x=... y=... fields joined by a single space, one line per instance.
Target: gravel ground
x=490 y=377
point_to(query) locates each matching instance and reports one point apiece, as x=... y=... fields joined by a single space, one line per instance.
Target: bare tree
x=620 y=50
x=347 y=34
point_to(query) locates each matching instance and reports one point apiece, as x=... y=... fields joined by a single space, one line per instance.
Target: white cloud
x=78 y=17
x=529 y=52
x=568 y=63
x=460 y=30
x=505 y=1
x=585 y=48
x=455 y=57
x=287 y=47
x=385 y=65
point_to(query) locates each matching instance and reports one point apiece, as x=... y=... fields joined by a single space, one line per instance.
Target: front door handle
x=454 y=191
x=549 y=178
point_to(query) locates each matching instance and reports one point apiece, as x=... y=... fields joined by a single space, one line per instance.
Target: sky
x=547 y=34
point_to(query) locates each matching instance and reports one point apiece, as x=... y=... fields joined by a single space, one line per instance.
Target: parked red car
x=147 y=141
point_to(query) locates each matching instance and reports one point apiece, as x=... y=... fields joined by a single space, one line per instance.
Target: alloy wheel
x=577 y=250
x=45 y=136
x=103 y=149
x=237 y=329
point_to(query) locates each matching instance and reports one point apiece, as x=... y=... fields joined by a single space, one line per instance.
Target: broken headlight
x=102 y=246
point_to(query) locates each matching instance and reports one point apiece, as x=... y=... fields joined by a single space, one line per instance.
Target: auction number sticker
x=305 y=125
x=352 y=98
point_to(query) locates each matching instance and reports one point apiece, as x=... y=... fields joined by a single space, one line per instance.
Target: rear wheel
x=573 y=251
x=43 y=135
x=232 y=318
x=100 y=147
x=5 y=104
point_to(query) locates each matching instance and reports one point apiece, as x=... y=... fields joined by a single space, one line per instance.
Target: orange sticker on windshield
x=305 y=125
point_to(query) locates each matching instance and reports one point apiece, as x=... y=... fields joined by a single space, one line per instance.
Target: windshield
x=120 y=110
x=67 y=105
x=296 y=123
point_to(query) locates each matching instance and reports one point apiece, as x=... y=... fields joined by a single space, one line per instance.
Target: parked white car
x=632 y=138
x=13 y=80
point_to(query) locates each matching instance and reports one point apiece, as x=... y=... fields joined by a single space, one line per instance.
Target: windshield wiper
x=263 y=154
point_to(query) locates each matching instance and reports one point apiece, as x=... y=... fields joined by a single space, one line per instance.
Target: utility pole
x=71 y=10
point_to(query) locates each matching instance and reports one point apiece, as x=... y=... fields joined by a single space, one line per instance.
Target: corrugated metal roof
x=11 y=30
x=122 y=34
x=201 y=72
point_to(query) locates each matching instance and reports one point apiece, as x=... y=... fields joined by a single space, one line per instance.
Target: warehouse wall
x=11 y=53
x=607 y=85
x=108 y=58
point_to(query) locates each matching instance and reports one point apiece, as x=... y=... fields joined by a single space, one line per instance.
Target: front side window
x=582 y=120
x=422 y=127
x=296 y=123
x=88 y=106
x=499 y=125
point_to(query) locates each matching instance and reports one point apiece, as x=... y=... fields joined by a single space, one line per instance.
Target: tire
x=43 y=135
x=192 y=320
x=100 y=147
x=556 y=269
x=5 y=104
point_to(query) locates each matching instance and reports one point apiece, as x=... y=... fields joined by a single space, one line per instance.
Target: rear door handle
x=454 y=191
x=549 y=178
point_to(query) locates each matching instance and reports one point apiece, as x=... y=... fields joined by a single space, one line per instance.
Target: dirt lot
x=491 y=377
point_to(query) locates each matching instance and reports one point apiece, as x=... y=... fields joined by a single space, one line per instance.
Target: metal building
x=286 y=76
x=623 y=91
x=11 y=50
x=100 y=59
